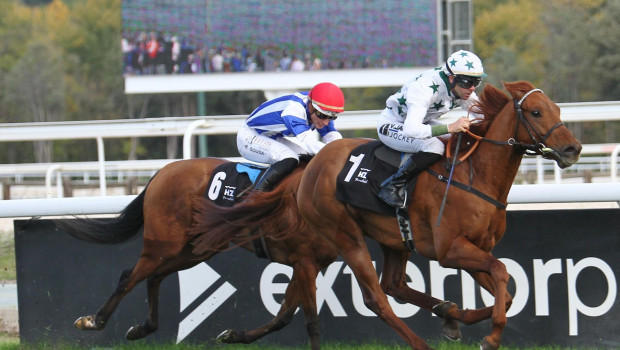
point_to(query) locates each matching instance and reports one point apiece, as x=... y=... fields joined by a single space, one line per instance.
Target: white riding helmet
x=465 y=63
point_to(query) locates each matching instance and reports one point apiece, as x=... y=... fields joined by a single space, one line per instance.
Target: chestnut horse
x=164 y=211
x=470 y=226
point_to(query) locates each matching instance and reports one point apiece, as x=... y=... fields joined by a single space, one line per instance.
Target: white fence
x=519 y=194
x=210 y=125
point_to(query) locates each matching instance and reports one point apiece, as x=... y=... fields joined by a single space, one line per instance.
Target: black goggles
x=324 y=116
x=466 y=82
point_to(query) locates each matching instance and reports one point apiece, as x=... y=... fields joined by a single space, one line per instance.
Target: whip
x=445 y=195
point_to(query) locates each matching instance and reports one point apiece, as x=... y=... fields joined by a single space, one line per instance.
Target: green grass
x=14 y=345
x=7 y=258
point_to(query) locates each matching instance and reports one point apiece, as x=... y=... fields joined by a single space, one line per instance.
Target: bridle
x=537 y=147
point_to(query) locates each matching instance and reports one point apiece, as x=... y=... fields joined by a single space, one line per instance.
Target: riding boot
x=276 y=172
x=392 y=187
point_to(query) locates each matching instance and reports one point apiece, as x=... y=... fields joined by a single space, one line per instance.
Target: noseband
x=538 y=146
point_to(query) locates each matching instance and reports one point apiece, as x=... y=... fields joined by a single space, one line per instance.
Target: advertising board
x=564 y=266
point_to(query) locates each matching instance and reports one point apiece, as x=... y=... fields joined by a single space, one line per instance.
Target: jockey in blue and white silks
x=282 y=129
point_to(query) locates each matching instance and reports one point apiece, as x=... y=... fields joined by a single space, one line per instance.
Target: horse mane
x=273 y=213
x=490 y=104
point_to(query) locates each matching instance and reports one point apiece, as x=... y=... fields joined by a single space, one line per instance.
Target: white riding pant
x=394 y=138
x=263 y=149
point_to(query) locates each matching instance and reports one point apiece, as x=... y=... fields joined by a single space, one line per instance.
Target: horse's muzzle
x=566 y=157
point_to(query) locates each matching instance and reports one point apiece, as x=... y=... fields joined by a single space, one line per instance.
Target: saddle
x=359 y=182
x=229 y=180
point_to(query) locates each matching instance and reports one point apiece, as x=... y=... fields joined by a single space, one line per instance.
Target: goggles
x=466 y=82
x=324 y=116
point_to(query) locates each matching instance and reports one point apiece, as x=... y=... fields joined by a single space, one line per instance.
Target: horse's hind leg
x=152 y=321
x=302 y=288
x=393 y=283
x=99 y=320
x=163 y=269
x=307 y=289
x=283 y=318
x=128 y=280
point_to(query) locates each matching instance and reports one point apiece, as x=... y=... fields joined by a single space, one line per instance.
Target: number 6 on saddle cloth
x=225 y=187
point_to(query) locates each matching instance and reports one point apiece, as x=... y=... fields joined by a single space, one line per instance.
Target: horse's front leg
x=356 y=255
x=393 y=283
x=487 y=282
x=465 y=255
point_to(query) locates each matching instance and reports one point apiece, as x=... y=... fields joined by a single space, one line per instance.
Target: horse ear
x=518 y=88
x=490 y=89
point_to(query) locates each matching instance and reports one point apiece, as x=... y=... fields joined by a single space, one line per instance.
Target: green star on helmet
x=470 y=65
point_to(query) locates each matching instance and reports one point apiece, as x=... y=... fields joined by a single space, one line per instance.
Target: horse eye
x=536 y=113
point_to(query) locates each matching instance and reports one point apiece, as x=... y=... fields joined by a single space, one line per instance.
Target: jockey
x=281 y=129
x=409 y=121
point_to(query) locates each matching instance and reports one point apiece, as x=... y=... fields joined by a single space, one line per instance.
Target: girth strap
x=406 y=232
x=260 y=247
x=468 y=189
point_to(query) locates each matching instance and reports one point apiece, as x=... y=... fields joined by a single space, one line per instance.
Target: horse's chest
x=488 y=235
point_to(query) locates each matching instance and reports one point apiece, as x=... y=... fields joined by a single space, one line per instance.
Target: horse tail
x=109 y=230
x=272 y=213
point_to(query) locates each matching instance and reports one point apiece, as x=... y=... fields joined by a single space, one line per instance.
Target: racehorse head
x=539 y=129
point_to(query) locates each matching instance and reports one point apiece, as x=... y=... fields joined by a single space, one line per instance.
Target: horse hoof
x=451 y=330
x=136 y=332
x=487 y=346
x=87 y=323
x=230 y=336
x=227 y=336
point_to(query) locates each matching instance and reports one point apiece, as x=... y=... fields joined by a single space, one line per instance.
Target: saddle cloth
x=229 y=180
x=360 y=180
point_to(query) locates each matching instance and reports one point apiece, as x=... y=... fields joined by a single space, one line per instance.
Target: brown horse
x=172 y=241
x=470 y=225
x=164 y=211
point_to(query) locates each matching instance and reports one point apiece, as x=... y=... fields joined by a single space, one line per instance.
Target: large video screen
x=200 y=36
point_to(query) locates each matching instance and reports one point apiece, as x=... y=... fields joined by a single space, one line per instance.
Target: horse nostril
x=572 y=151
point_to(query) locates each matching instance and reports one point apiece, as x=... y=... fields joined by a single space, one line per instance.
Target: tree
x=35 y=88
x=605 y=33
x=36 y=2
x=91 y=40
x=571 y=49
x=509 y=38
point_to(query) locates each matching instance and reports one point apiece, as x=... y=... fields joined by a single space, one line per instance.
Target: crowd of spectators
x=156 y=53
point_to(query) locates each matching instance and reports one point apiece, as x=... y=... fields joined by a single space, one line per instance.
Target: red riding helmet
x=327 y=98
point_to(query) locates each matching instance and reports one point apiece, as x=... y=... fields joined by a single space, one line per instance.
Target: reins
x=535 y=148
